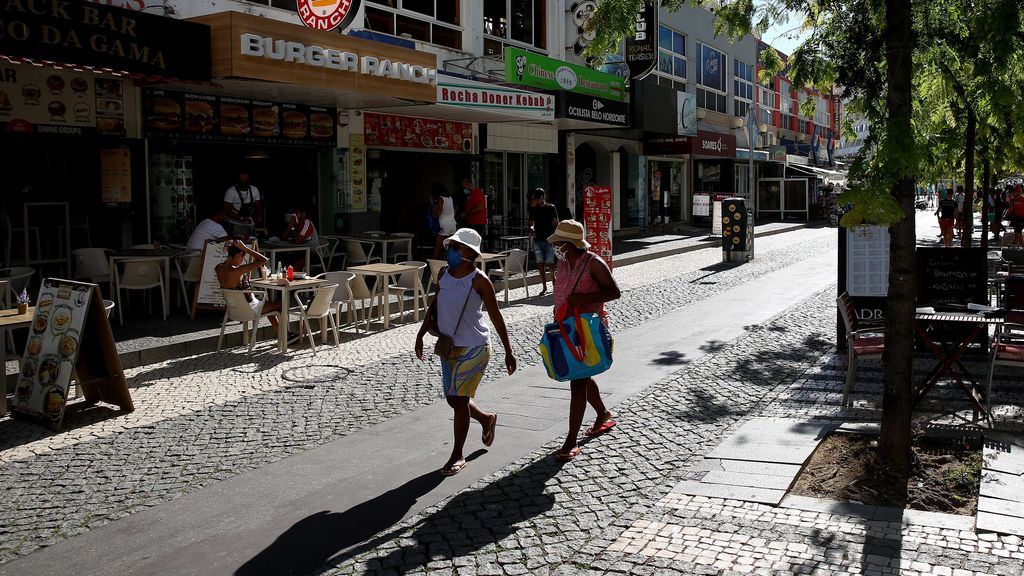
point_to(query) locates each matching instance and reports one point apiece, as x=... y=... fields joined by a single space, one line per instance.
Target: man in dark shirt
x=946 y=212
x=543 y=221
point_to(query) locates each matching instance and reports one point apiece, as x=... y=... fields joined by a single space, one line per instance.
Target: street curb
x=206 y=344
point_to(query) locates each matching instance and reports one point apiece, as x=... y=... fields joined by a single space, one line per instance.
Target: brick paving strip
x=208 y=418
x=613 y=510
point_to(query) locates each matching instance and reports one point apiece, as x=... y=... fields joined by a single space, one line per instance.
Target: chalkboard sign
x=207 y=293
x=951 y=278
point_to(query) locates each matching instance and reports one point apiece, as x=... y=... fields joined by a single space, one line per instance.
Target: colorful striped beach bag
x=578 y=346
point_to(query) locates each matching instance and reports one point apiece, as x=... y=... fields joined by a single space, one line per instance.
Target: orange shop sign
x=327 y=14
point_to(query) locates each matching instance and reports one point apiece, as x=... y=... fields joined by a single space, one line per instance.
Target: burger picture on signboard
x=321 y=126
x=265 y=122
x=198 y=117
x=234 y=120
x=294 y=125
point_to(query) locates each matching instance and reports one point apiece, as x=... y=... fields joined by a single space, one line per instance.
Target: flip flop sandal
x=568 y=456
x=604 y=427
x=453 y=469
x=488 y=435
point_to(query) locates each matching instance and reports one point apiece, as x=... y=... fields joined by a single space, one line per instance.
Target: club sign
x=642 y=46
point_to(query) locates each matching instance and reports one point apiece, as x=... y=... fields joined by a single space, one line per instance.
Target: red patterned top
x=580 y=276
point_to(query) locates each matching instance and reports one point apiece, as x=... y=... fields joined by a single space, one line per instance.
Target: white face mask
x=561 y=253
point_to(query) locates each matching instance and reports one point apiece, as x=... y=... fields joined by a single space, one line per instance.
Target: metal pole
x=751 y=126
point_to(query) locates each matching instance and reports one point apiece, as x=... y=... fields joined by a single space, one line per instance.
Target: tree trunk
x=968 y=215
x=894 y=446
x=986 y=176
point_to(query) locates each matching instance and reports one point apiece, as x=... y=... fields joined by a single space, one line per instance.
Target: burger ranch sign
x=256 y=46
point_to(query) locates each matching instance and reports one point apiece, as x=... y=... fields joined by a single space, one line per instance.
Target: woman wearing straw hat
x=584 y=284
x=462 y=293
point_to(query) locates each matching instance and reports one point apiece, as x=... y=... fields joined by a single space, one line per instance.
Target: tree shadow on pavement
x=469 y=522
x=317 y=538
x=213 y=362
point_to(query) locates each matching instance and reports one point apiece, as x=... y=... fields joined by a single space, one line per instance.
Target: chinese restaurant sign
x=209 y=117
x=597 y=219
x=424 y=133
x=642 y=46
x=48 y=101
x=93 y=34
x=491 y=97
x=546 y=73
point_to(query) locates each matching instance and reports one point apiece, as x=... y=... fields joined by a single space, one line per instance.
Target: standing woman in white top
x=463 y=292
x=444 y=209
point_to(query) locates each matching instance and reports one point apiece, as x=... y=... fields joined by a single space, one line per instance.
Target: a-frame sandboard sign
x=70 y=337
x=207 y=294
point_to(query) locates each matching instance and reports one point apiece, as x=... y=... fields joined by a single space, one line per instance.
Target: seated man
x=233 y=274
x=300 y=230
x=208 y=229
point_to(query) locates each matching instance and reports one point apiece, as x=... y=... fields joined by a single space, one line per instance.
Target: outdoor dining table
x=275 y=248
x=384 y=240
x=948 y=357
x=165 y=254
x=383 y=273
x=489 y=257
x=9 y=320
x=522 y=242
x=286 y=289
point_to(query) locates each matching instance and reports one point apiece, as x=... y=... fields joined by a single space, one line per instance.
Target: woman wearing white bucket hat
x=462 y=293
x=584 y=283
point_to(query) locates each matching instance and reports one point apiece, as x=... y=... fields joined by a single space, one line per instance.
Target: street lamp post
x=751 y=121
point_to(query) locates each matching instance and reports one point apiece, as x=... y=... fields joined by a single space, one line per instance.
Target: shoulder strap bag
x=445 y=343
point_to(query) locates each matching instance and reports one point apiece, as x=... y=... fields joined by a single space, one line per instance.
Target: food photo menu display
x=47 y=101
x=597 y=219
x=52 y=348
x=210 y=117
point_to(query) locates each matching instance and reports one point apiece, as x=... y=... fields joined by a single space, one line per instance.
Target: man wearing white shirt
x=208 y=229
x=243 y=201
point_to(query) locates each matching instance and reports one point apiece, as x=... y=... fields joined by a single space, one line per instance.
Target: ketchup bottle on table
x=291 y=273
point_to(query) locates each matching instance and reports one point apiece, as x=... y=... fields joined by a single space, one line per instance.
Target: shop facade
x=70 y=99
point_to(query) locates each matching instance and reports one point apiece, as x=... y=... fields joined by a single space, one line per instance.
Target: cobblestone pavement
x=612 y=511
x=205 y=418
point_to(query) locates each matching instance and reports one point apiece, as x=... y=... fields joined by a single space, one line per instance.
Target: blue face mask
x=454 y=258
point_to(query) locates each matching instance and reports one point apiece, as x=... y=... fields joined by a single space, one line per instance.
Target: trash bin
x=737 y=231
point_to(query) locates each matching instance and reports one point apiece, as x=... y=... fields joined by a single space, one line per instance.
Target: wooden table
x=383 y=273
x=9 y=320
x=384 y=240
x=163 y=254
x=285 y=289
x=275 y=247
x=949 y=357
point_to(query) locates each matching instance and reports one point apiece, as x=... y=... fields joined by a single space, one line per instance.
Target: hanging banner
x=597 y=219
x=642 y=46
x=570 y=174
x=357 y=155
x=686 y=114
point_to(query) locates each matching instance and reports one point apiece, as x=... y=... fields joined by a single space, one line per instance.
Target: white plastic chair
x=515 y=263
x=410 y=281
x=319 y=308
x=140 y=274
x=435 y=270
x=187 y=273
x=329 y=246
x=403 y=249
x=239 y=309
x=108 y=307
x=92 y=264
x=360 y=294
x=356 y=252
x=342 y=300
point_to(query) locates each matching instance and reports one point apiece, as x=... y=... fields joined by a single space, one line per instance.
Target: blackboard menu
x=209 y=117
x=951 y=276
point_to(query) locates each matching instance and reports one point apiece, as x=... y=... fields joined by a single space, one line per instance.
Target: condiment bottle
x=291 y=273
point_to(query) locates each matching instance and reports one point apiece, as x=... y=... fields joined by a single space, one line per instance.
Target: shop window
x=521 y=21
x=768 y=98
x=711 y=101
x=671 y=57
x=380 y=21
x=743 y=87
x=423 y=20
x=740 y=108
x=416 y=29
x=425 y=7
x=711 y=79
x=447 y=37
x=283 y=5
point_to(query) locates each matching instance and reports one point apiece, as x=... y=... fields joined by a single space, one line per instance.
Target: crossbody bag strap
x=464 y=305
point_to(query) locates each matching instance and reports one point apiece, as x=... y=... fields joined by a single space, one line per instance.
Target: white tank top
x=453 y=296
x=447 y=217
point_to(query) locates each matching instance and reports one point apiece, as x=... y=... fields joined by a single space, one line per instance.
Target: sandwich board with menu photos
x=69 y=338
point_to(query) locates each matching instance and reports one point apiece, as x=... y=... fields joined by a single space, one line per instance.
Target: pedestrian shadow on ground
x=317 y=538
x=467 y=523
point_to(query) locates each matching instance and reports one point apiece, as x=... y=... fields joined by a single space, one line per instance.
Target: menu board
x=956 y=276
x=48 y=101
x=421 y=133
x=116 y=175
x=597 y=219
x=210 y=117
x=357 y=154
x=52 y=348
x=867 y=261
x=208 y=293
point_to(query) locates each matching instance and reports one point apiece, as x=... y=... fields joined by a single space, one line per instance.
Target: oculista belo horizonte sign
x=254 y=45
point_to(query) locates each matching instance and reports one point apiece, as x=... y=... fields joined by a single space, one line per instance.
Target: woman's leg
x=577 y=408
x=594 y=398
x=462 y=413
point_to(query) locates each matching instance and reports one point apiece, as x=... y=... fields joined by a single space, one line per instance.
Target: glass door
x=515 y=192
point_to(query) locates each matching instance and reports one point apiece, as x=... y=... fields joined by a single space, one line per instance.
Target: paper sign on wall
x=597 y=218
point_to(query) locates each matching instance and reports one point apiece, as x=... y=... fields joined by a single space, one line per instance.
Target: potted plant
x=23 y=301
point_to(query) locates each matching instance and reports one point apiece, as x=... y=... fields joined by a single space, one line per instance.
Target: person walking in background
x=959 y=217
x=584 y=284
x=947 y=216
x=543 y=220
x=463 y=292
x=474 y=211
x=444 y=208
x=1016 y=214
x=995 y=212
